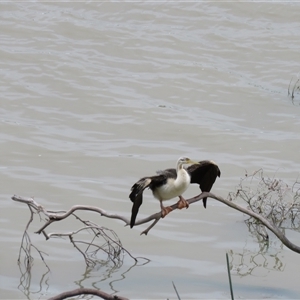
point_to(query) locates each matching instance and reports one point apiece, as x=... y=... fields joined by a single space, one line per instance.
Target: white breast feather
x=173 y=188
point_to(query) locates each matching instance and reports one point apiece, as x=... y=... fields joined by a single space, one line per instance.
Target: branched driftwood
x=104 y=247
x=247 y=262
x=270 y=203
x=84 y=291
x=253 y=210
x=103 y=240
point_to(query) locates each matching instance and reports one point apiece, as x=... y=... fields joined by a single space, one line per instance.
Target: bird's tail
x=136 y=196
x=204 y=202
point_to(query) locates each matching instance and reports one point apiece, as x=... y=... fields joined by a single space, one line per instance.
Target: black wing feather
x=169 y=173
x=136 y=195
x=205 y=174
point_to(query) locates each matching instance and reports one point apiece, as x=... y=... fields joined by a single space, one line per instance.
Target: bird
x=172 y=183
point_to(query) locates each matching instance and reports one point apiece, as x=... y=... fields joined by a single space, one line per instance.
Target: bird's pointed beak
x=192 y=162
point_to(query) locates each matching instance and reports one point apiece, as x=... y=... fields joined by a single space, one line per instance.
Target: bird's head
x=185 y=160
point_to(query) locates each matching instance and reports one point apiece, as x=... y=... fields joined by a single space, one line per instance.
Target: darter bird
x=172 y=183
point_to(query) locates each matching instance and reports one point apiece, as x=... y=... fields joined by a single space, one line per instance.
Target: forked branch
x=54 y=217
x=103 y=246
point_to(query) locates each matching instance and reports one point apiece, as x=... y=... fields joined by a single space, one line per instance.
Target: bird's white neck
x=183 y=178
x=179 y=166
x=174 y=187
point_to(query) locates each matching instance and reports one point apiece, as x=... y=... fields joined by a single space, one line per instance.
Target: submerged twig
x=176 y=291
x=294 y=87
x=229 y=276
x=272 y=199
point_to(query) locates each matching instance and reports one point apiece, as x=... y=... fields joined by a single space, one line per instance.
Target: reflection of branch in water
x=25 y=281
x=146 y=261
x=92 y=277
x=250 y=263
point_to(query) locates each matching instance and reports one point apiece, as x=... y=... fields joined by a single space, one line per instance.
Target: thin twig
x=176 y=291
x=229 y=276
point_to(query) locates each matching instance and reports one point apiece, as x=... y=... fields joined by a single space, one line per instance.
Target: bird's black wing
x=205 y=174
x=169 y=173
x=136 y=195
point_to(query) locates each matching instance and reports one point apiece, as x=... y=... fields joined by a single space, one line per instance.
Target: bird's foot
x=165 y=211
x=182 y=203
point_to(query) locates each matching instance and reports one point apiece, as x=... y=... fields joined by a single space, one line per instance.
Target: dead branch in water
x=267 y=212
x=271 y=204
x=271 y=198
x=104 y=245
x=294 y=87
x=84 y=291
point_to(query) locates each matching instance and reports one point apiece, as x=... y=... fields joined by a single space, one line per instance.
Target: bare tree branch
x=84 y=291
x=103 y=240
x=58 y=217
x=269 y=206
x=157 y=216
x=263 y=220
x=235 y=206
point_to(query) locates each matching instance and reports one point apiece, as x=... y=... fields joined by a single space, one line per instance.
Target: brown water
x=95 y=96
